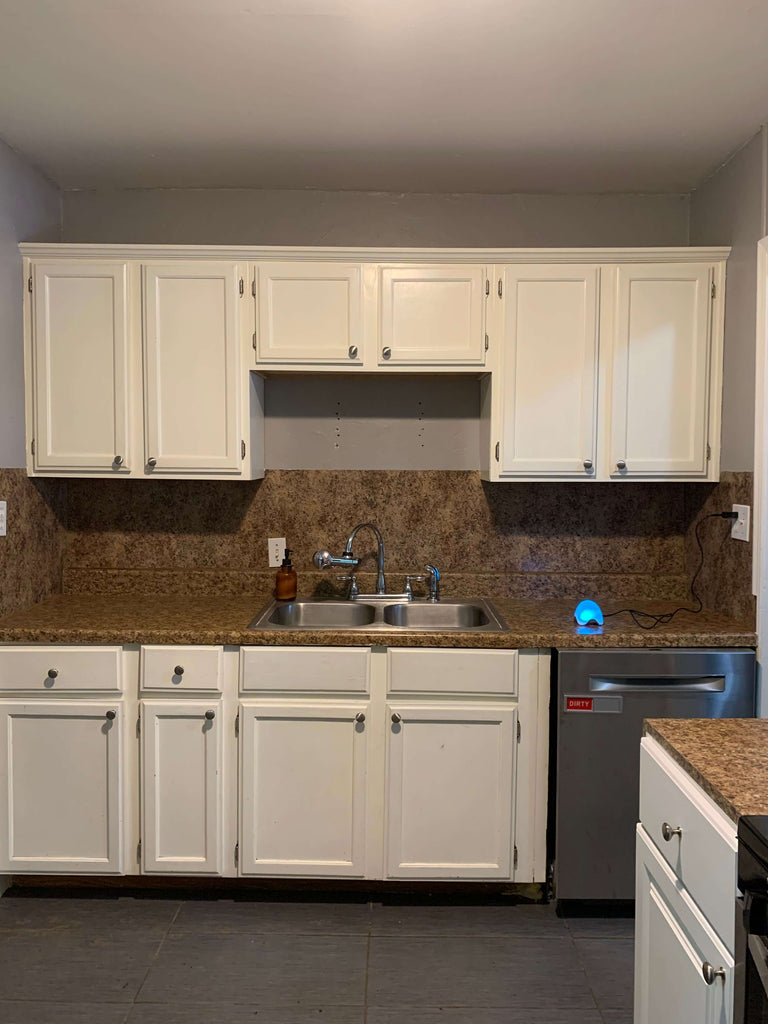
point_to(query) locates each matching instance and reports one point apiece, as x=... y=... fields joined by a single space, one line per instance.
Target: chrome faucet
x=324 y=559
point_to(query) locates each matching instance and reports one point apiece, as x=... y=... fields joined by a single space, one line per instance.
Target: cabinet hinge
x=242 y=286
x=514 y=858
x=29 y=283
x=519 y=731
x=237 y=854
x=253 y=287
x=138 y=851
x=32 y=446
x=486 y=343
x=500 y=288
x=138 y=726
x=498 y=446
x=709 y=451
x=487 y=286
x=714 y=289
x=242 y=449
x=237 y=724
x=254 y=341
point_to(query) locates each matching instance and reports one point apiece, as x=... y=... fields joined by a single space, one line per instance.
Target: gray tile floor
x=163 y=961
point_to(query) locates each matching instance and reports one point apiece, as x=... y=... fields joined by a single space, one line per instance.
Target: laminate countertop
x=727 y=757
x=192 y=619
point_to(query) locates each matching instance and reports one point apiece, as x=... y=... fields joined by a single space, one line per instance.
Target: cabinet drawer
x=181 y=668
x=308 y=669
x=60 y=669
x=703 y=856
x=415 y=670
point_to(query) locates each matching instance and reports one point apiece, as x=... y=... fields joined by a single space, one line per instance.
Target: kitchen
x=384 y=407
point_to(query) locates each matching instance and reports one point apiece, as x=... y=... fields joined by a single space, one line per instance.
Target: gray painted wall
x=254 y=217
x=30 y=210
x=728 y=210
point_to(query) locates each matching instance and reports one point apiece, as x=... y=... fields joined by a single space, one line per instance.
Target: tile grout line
x=598 y=1007
x=155 y=955
x=367 y=962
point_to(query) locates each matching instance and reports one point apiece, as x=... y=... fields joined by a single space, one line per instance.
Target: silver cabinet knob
x=710 y=973
x=210 y=715
x=621 y=465
x=111 y=716
x=667 y=831
x=588 y=465
x=386 y=352
x=359 y=717
x=396 y=719
x=151 y=462
x=118 y=460
x=353 y=351
x=52 y=673
x=179 y=670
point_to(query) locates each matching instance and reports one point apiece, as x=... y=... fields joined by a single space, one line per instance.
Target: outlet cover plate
x=276 y=551
x=740 y=526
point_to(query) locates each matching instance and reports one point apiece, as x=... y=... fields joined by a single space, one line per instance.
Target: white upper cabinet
x=192 y=367
x=79 y=417
x=309 y=313
x=432 y=315
x=549 y=370
x=661 y=371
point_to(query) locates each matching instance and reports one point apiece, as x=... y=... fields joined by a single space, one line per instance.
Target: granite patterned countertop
x=193 y=619
x=727 y=757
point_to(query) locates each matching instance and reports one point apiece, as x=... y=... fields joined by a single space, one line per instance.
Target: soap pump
x=286 y=579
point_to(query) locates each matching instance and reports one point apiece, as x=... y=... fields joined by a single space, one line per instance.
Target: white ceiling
x=398 y=95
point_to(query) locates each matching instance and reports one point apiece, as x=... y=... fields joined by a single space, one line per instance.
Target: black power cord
x=651 y=620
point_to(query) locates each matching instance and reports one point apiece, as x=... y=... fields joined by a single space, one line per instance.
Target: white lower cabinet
x=303 y=788
x=673 y=946
x=685 y=898
x=182 y=786
x=62 y=788
x=450 y=790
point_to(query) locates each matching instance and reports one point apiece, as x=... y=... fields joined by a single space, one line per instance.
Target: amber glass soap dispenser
x=285 y=582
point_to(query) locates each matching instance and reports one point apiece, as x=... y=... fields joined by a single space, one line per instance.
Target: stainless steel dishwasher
x=602 y=698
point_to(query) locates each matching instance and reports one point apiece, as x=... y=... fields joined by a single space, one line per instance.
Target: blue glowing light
x=588 y=613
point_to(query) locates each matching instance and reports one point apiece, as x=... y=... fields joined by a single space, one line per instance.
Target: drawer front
x=415 y=670
x=179 y=669
x=703 y=856
x=313 y=669
x=60 y=669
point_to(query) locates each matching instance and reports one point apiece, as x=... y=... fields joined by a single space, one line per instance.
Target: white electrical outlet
x=276 y=551
x=740 y=526
x=3 y=518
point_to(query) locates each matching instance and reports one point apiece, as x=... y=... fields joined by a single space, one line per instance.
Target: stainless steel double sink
x=381 y=613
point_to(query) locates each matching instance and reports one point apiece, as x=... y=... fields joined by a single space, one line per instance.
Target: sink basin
x=381 y=613
x=322 y=615
x=442 y=615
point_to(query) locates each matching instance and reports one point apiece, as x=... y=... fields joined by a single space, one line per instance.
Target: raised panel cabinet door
x=661 y=367
x=432 y=315
x=62 y=787
x=192 y=367
x=181 y=776
x=303 y=789
x=674 y=946
x=450 y=791
x=549 y=358
x=80 y=366
x=310 y=313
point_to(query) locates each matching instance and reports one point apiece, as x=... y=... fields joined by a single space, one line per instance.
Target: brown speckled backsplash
x=522 y=540
x=31 y=553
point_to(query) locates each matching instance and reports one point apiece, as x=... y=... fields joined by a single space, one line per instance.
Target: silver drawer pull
x=667 y=831
x=588 y=465
x=52 y=673
x=179 y=670
x=210 y=715
x=111 y=716
x=152 y=462
x=359 y=717
x=621 y=465
x=353 y=351
x=386 y=352
x=396 y=719
x=709 y=973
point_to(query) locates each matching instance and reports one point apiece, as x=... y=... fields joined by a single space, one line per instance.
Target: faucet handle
x=353 y=590
x=408 y=581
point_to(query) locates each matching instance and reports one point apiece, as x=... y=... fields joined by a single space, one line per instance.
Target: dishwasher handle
x=657 y=684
